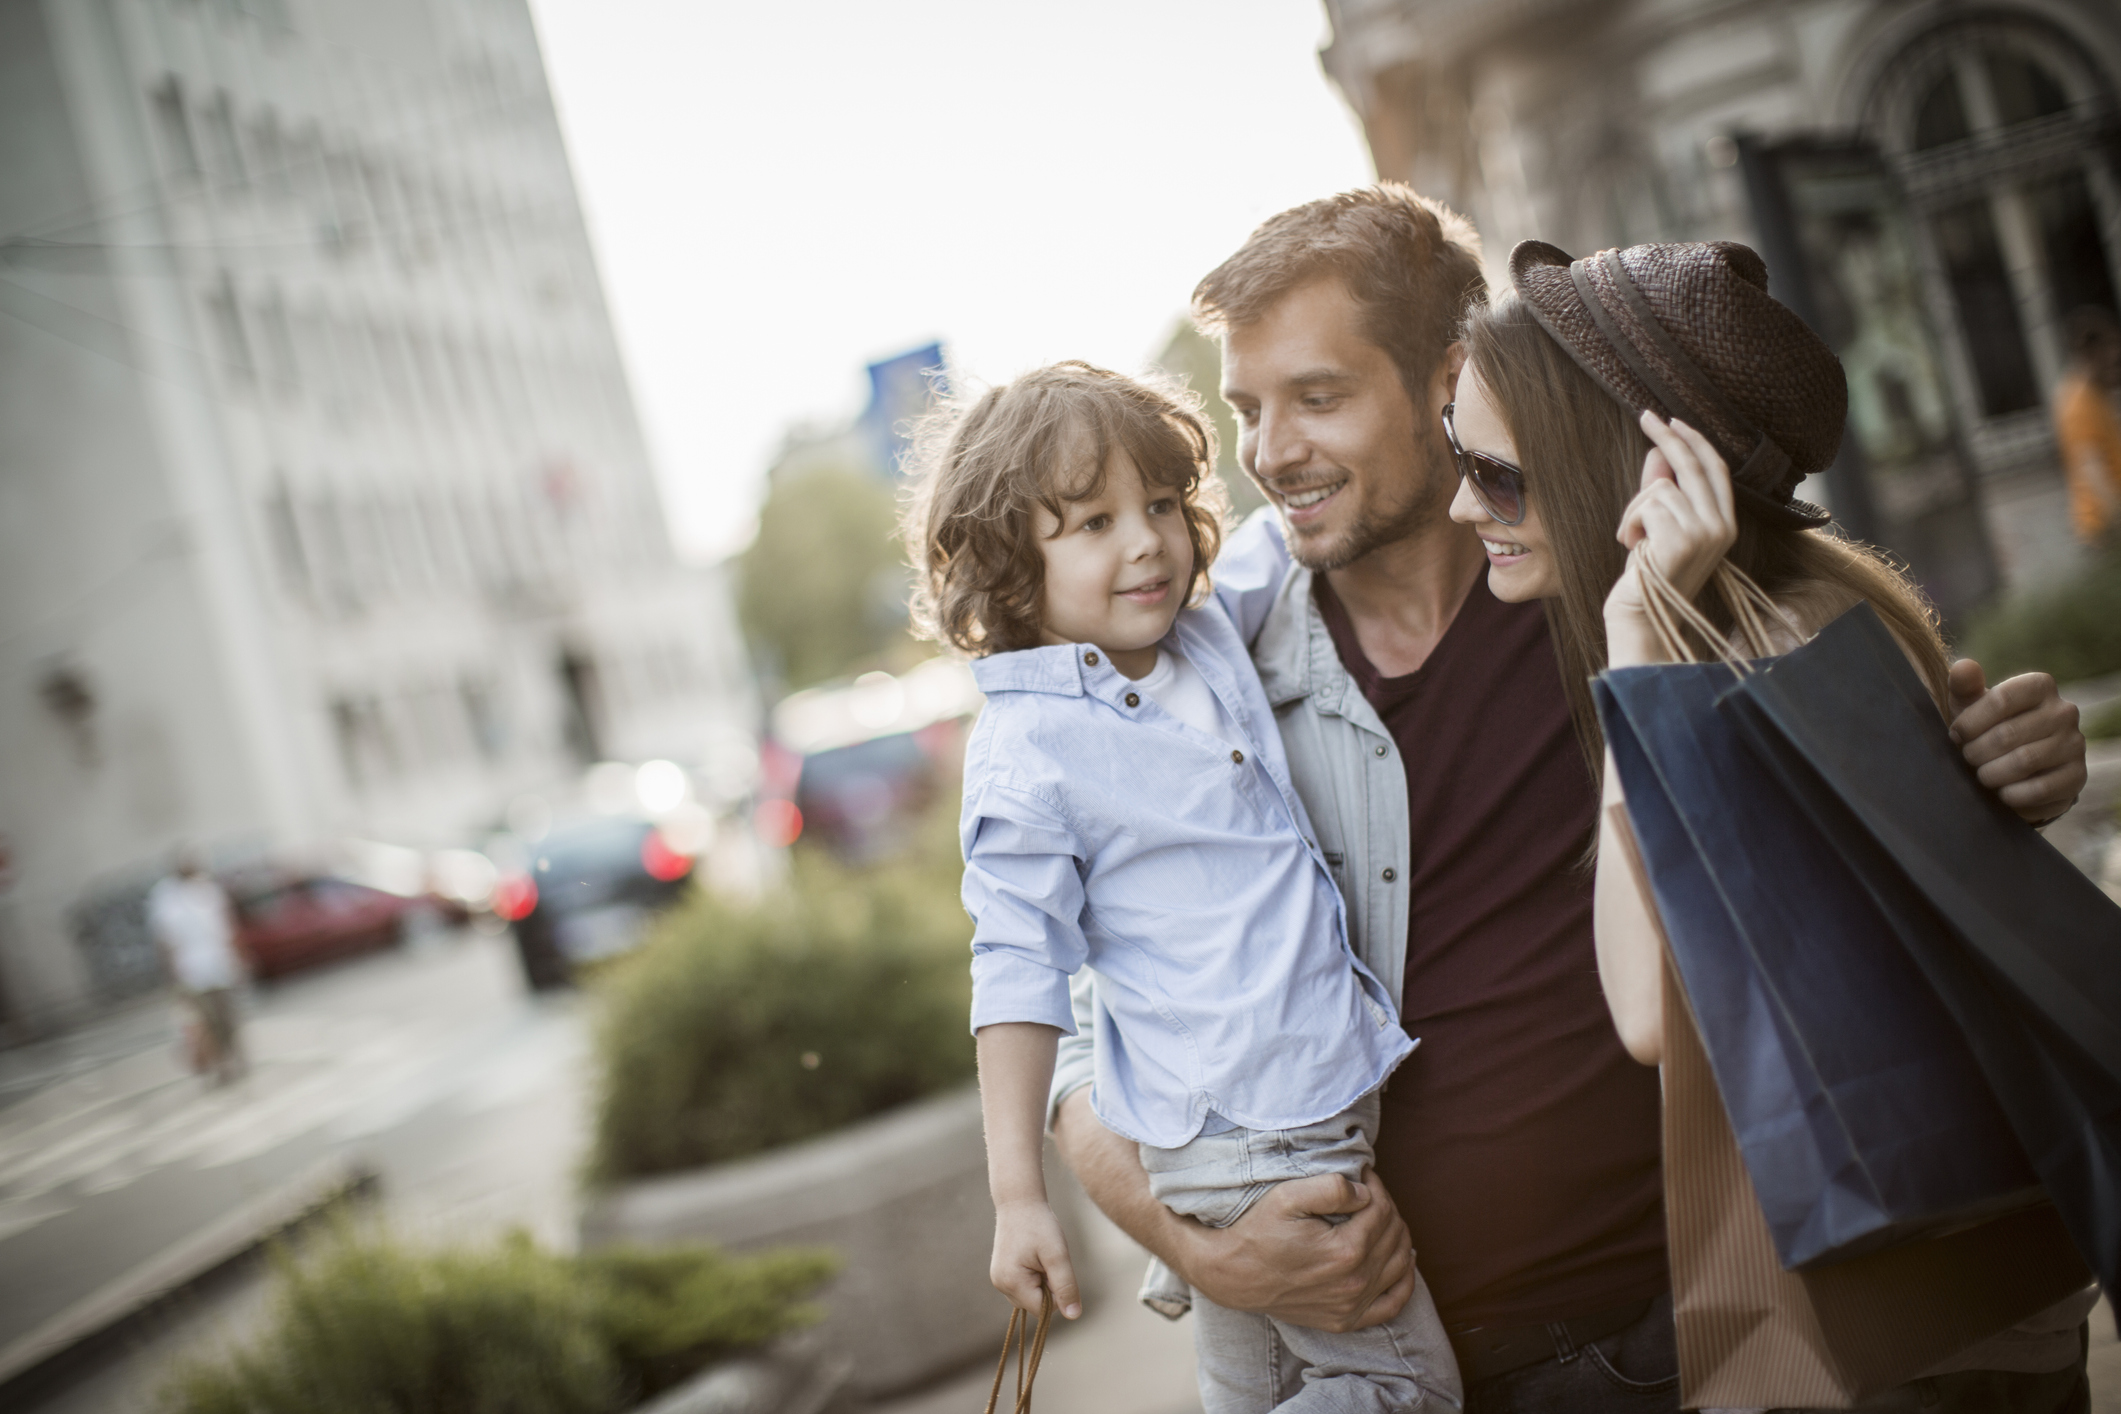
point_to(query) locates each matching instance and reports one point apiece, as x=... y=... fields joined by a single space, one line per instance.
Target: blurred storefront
x=1933 y=186
x=324 y=509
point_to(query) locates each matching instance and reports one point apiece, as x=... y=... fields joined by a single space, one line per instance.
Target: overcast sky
x=780 y=193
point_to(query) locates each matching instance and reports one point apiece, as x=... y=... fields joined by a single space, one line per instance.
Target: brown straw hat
x=1688 y=330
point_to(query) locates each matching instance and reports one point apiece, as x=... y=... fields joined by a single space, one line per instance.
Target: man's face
x=1328 y=431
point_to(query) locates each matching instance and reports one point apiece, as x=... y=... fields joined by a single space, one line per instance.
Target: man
x=2086 y=428
x=194 y=929
x=1429 y=736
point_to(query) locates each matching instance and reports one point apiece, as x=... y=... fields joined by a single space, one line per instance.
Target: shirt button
x=1390 y=875
x=1238 y=757
x=1134 y=699
x=1090 y=658
x=1380 y=751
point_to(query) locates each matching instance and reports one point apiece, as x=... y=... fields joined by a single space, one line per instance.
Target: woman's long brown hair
x=1582 y=454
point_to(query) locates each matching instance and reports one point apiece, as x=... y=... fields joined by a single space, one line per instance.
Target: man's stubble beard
x=1372 y=530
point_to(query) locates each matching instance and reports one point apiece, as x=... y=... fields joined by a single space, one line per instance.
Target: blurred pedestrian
x=2086 y=427
x=194 y=929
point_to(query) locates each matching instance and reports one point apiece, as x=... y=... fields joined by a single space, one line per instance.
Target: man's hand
x=2021 y=738
x=1282 y=1258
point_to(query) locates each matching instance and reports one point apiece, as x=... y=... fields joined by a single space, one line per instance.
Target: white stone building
x=1932 y=183
x=323 y=506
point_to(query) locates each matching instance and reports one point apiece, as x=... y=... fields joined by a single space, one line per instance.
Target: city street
x=431 y=1064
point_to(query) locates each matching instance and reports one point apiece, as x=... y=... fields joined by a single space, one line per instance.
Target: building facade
x=324 y=510
x=1932 y=184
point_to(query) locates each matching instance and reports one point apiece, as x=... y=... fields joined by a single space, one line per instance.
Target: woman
x=1599 y=414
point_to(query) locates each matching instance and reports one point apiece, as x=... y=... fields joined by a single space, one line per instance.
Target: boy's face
x=1325 y=426
x=1117 y=569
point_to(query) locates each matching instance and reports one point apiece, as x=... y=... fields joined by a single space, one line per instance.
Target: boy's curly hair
x=982 y=467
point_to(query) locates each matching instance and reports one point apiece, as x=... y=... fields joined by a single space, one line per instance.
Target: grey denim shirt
x=1347 y=770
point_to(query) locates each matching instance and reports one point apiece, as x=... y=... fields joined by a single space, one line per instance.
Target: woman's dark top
x=1519 y=1141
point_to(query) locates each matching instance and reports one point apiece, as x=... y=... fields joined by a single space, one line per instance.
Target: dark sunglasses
x=1498 y=486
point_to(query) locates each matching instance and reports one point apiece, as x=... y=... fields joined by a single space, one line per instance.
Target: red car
x=286 y=922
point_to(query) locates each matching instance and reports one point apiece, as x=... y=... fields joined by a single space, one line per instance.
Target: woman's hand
x=1683 y=521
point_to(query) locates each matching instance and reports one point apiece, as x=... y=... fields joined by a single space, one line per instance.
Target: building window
x=2003 y=134
x=226 y=312
x=219 y=120
x=173 y=124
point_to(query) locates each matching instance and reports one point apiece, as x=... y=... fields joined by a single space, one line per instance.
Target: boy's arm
x=1279 y=1258
x=1030 y=1255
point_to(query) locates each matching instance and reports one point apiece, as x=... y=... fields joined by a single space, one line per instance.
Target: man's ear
x=1454 y=362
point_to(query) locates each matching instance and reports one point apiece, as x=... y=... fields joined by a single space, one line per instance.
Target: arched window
x=2004 y=138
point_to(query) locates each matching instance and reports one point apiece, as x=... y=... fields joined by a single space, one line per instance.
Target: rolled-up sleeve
x=1024 y=889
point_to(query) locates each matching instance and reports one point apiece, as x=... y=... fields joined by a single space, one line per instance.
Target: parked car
x=287 y=921
x=589 y=891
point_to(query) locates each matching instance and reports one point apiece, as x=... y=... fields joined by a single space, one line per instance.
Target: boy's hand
x=1031 y=1258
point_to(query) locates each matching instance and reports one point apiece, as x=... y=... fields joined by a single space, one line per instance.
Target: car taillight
x=661 y=861
x=778 y=822
x=514 y=897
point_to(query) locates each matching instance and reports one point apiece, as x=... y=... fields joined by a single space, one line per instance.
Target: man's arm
x=1280 y=1258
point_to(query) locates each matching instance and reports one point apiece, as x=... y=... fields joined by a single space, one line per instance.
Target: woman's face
x=1520 y=563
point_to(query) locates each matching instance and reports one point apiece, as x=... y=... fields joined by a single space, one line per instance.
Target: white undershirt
x=1179 y=689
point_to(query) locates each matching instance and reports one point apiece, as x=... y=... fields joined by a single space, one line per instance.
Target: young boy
x=1128 y=808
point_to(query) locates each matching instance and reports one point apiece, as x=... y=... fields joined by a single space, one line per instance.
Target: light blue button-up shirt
x=1183 y=872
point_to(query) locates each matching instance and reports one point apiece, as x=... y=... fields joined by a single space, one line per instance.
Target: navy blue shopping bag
x=1859 y=1106
x=2021 y=948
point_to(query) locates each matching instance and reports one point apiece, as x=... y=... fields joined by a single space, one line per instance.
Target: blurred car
x=288 y=921
x=588 y=892
x=859 y=798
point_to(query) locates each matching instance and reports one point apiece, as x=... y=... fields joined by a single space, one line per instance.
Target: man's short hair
x=1411 y=264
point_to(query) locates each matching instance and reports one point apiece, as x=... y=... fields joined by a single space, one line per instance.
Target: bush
x=736 y=1028
x=366 y=1323
x=2103 y=723
x=2072 y=630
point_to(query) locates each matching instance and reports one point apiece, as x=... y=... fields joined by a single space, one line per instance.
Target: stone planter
x=903 y=1199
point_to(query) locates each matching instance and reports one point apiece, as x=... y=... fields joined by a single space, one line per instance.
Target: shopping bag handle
x=1029 y=1346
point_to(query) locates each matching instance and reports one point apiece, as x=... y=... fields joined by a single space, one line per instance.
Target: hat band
x=1766 y=464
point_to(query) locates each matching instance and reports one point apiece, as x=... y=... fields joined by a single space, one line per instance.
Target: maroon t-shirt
x=1520 y=1141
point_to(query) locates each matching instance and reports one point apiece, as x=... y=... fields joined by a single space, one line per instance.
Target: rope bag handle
x=1029 y=1347
x=1679 y=625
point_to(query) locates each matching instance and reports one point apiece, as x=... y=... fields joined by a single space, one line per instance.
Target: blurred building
x=323 y=505
x=1932 y=183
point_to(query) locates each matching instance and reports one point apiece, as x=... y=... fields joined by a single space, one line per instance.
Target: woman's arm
x=1684 y=520
x=1030 y=1254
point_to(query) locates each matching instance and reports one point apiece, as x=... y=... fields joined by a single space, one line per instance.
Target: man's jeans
x=1250 y=1363
x=1636 y=1371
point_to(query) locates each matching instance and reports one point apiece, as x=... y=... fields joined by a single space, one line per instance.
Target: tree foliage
x=821 y=591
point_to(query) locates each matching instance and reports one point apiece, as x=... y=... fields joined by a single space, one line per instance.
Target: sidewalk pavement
x=1120 y=1358
x=430 y=1064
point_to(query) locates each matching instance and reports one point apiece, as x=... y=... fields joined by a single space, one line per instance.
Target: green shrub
x=365 y=1324
x=2072 y=630
x=736 y=1028
x=2103 y=722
